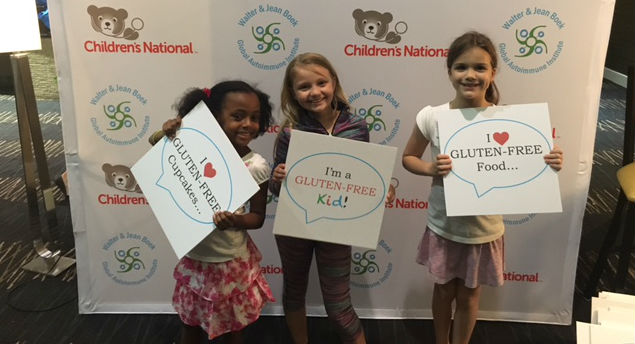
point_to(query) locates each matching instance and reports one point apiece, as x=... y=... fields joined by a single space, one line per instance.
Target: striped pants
x=334 y=269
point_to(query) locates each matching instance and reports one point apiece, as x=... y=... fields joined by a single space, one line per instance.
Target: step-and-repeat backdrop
x=123 y=64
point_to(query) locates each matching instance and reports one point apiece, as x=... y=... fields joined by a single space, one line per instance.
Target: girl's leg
x=295 y=255
x=467 y=300
x=296 y=321
x=442 y=297
x=334 y=271
x=191 y=334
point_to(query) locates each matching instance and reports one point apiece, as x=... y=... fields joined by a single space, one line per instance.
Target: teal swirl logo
x=372 y=117
x=129 y=259
x=268 y=37
x=531 y=41
x=364 y=262
x=119 y=116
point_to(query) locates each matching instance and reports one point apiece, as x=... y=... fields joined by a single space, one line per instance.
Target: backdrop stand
x=33 y=156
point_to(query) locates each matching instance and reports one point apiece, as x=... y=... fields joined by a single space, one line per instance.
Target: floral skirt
x=475 y=264
x=221 y=297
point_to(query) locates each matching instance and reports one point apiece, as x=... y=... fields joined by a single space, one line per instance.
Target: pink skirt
x=475 y=264
x=221 y=297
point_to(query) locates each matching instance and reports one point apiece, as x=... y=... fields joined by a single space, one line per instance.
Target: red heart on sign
x=209 y=171
x=501 y=138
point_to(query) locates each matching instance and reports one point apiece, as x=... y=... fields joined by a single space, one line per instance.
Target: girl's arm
x=278 y=173
x=411 y=158
x=251 y=220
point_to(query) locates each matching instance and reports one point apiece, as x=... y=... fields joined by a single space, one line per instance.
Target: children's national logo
x=129 y=258
x=382 y=36
x=379 y=109
x=268 y=38
x=375 y=26
x=118 y=114
x=112 y=22
x=533 y=41
x=120 y=177
x=371 y=268
x=122 y=36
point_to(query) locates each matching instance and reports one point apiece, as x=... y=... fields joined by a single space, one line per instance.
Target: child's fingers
x=224 y=220
x=390 y=196
x=443 y=159
x=217 y=219
x=279 y=173
x=554 y=161
x=444 y=165
x=555 y=158
x=170 y=127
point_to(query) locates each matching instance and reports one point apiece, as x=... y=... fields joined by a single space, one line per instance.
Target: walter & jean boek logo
x=382 y=34
x=123 y=37
x=533 y=42
x=118 y=114
x=129 y=258
x=371 y=268
x=517 y=220
x=267 y=37
x=380 y=109
x=120 y=178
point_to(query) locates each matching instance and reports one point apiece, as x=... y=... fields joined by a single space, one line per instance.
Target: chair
x=625 y=201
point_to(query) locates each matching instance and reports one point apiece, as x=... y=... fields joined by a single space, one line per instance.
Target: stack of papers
x=612 y=320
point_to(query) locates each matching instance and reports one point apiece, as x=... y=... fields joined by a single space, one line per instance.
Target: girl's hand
x=443 y=165
x=224 y=220
x=279 y=173
x=171 y=126
x=555 y=158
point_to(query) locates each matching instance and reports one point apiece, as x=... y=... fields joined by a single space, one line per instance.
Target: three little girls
x=219 y=284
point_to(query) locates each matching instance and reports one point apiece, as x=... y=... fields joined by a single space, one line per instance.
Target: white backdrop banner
x=119 y=81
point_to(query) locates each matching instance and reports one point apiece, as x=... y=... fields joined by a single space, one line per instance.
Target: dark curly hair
x=216 y=100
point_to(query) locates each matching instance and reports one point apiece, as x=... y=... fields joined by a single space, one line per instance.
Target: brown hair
x=470 y=40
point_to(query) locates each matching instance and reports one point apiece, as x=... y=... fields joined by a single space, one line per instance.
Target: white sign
x=497 y=160
x=334 y=190
x=188 y=179
x=18 y=22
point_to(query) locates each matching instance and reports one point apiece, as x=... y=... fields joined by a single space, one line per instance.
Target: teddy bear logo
x=112 y=22
x=120 y=177
x=375 y=26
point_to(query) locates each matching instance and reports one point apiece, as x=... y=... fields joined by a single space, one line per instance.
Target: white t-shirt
x=464 y=229
x=225 y=245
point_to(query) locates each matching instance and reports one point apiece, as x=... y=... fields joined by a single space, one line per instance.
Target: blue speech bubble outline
x=306 y=213
x=231 y=189
x=496 y=187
